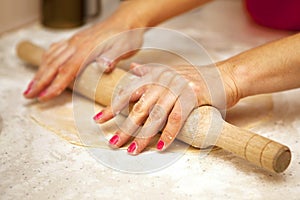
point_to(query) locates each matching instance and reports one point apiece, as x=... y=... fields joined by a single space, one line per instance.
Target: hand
x=63 y=61
x=165 y=97
x=105 y=43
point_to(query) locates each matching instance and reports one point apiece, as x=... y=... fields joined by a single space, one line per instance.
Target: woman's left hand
x=165 y=96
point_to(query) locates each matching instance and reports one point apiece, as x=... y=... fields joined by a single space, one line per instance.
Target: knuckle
x=76 y=38
x=120 y=91
x=178 y=78
x=175 y=117
x=168 y=135
x=66 y=72
x=167 y=74
x=40 y=84
x=195 y=88
x=62 y=70
x=139 y=108
x=110 y=67
x=157 y=113
x=56 y=89
x=141 y=70
x=43 y=81
x=53 y=45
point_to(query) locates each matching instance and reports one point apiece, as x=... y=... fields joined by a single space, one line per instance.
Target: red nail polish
x=132 y=147
x=160 y=145
x=43 y=93
x=28 y=90
x=114 y=140
x=98 y=116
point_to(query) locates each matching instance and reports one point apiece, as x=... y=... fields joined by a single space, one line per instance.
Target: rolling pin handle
x=257 y=149
x=30 y=53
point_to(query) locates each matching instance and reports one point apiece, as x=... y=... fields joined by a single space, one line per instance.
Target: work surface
x=37 y=164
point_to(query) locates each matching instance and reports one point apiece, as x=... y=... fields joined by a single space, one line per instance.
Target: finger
x=104 y=115
x=129 y=93
x=104 y=63
x=141 y=109
x=108 y=113
x=54 y=52
x=138 y=87
x=54 y=46
x=154 y=123
x=157 y=116
x=118 y=139
x=137 y=115
x=65 y=75
x=138 y=93
x=146 y=102
x=44 y=77
x=112 y=66
x=181 y=110
x=122 y=48
x=138 y=69
x=110 y=57
x=138 y=145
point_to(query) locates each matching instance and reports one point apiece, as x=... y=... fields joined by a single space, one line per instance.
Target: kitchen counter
x=37 y=164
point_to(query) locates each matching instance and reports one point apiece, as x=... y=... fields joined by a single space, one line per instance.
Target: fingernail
x=43 y=93
x=114 y=140
x=132 y=147
x=28 y=90
x=160 y=145
x=98 y=116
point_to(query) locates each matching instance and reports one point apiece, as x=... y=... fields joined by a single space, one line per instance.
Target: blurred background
x=17 y=13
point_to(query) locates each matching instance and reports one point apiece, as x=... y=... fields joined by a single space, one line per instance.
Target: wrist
x=232 y=84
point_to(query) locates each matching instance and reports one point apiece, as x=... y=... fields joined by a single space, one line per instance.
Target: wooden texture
x=205 y=126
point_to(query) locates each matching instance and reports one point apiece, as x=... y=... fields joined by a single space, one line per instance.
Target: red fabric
x=280 y=14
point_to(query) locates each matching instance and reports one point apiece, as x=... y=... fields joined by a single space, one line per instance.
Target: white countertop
x=37 y=164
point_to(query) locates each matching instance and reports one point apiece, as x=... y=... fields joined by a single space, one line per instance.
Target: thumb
x=105 y=64
x=108 y=60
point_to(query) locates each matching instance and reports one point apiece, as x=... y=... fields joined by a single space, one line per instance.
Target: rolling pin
x=204 y=127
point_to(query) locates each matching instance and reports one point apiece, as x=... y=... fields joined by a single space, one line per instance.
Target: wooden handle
x=30 y=53
x=203 y=128
x=257 y=149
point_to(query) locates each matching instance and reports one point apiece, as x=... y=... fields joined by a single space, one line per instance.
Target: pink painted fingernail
x=98 y=116
x=28 y=90
x=160 y=145
x=114 y=140
x=43 y=93
x=132 y=147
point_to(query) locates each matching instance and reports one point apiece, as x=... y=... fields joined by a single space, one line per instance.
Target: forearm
x=269 y=68
x=147 y=13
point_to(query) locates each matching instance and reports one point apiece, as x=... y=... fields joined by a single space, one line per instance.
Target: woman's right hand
x=164 y=97
x=106 y=43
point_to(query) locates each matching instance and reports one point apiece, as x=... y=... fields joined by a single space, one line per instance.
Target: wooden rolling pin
x=204 y=127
